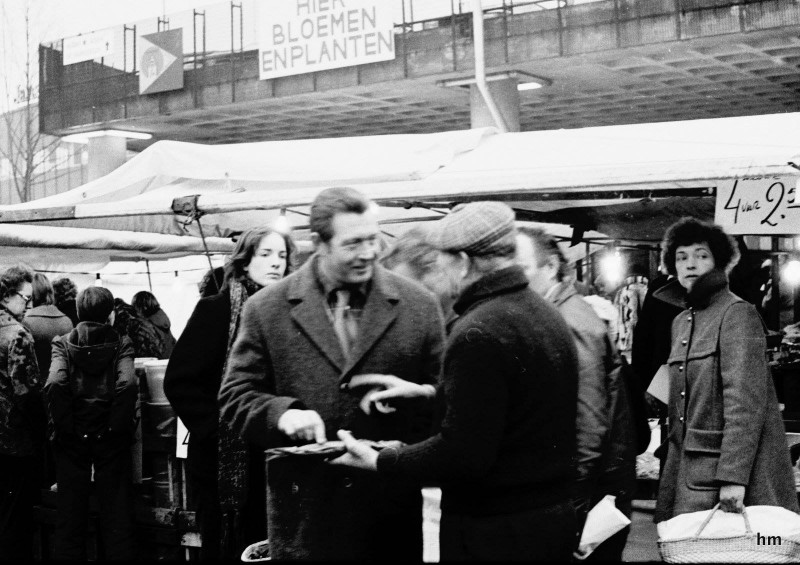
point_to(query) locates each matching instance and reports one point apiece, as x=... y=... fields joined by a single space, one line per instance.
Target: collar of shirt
x=551 y=291
x=328 y=287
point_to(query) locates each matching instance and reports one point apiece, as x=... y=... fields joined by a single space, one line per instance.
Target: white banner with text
x=759 y=205
x=88 y=46
x=303 y=36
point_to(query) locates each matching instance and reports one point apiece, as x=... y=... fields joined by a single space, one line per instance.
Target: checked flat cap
x=477 y=228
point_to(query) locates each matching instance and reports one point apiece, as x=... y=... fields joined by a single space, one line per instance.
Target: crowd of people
x=463 y=356
x=68 y=394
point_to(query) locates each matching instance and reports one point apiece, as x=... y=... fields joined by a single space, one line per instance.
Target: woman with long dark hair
x=727 y=442
x=148 y=308
x=227 y=477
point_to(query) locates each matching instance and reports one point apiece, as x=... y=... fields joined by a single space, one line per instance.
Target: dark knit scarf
x=705 y=287
x=232 y=479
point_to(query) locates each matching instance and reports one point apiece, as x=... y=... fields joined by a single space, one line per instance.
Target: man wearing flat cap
x=504 y=453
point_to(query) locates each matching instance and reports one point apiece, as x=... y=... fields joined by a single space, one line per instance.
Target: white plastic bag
x=765 y=520
x=602 y=522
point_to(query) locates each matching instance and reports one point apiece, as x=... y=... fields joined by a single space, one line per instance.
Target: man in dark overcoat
x=301 y=341
x=504 y=450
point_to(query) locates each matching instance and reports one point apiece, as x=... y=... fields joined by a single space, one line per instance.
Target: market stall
x=415 y=177
x=620 y=184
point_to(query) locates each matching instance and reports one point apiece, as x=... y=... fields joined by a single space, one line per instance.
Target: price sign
x=759 y=205
x=182 y=441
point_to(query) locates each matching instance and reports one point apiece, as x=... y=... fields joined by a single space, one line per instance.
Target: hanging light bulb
x=176 y=283
x=791 y=272
x=612 y=267
x=98 y=281
x=281 y=223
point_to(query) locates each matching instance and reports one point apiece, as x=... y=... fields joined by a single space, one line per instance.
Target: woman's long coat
x=725 y=425
x=191 y=384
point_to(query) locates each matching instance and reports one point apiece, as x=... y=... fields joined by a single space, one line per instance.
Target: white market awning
x=245 y=185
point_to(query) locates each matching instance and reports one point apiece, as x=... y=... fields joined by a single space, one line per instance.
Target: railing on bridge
x=432 y=36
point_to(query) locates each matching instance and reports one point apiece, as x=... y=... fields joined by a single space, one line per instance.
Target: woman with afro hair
x=727 y=443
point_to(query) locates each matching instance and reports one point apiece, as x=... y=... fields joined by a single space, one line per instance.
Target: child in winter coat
x=90 y=397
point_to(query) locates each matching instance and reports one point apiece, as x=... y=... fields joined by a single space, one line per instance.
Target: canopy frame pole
x=480 y=66
x=188 y=206
x=149 y=280
x=207 y=252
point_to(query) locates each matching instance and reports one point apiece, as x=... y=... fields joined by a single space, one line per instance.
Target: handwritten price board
x=182 y=443
x=759 y=205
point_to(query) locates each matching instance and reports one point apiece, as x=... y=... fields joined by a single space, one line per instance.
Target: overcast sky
x=61 y=18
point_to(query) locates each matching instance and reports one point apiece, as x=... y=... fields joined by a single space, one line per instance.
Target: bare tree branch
x=27 y=150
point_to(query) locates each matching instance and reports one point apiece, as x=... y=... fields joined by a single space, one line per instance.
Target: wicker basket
x=736 y=549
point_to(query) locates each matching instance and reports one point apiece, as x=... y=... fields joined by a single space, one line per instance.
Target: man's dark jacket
x=605 y=430
x=510 y=378
x=287 y=356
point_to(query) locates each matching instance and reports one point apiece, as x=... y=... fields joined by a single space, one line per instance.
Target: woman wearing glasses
x=20 y=392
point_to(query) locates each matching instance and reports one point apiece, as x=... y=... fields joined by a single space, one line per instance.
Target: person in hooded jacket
x=146 y=305
x=90 y=398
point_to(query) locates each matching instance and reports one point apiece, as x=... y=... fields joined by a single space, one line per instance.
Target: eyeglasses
x=24 y=297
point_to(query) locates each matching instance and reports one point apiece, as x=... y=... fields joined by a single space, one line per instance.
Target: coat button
x=348 y=482
x=689 y=318
x=683 y=393
x=680 y=369
x=681 y=418
x=295 y=488
x=684 y=342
